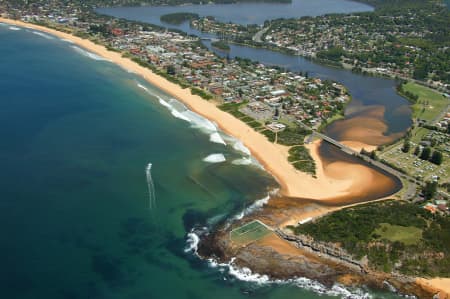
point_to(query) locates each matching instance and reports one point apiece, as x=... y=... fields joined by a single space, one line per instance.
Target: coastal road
x=371 y=161
x=257 y=37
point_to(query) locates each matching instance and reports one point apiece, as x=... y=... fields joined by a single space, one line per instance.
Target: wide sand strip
x=274 y=157
x=437 y=285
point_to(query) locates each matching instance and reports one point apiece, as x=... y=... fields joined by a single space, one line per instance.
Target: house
x=431 y=208
x=276 y=127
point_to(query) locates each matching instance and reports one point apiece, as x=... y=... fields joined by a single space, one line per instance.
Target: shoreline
x=273 y=157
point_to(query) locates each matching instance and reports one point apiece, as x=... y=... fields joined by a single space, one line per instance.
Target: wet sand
x=364 y=128
x=336 y=182
x=294 y=183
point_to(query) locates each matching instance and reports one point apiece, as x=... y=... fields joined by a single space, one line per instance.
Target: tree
x=429 y=190
x=171 y=70
x=436 y=158
x=406 y=146
x=417 y=151
x=425 y=155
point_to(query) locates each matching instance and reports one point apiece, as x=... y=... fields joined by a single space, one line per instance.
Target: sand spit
x=272 y=156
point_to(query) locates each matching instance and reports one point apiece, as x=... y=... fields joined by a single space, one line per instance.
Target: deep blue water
x=77 y=135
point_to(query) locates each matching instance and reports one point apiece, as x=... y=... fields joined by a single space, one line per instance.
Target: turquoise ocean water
x=77 y=214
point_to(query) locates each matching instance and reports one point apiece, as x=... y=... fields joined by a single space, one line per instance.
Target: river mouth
x=369 y=182
x=375 y=116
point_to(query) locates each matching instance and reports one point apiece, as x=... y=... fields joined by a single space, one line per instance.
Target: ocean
x=103 y=177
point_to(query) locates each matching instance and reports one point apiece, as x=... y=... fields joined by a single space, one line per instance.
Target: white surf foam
x=215 y=158
x=242 y=161
x=200 y=122
x=216 y=138
x=164 y=103
x=88 y=54
x=43 y=35
x=239 y=146
x=143 y=87
x=67 y=40
x=197 y=121
x=192 y=243
x=180 y=115
x=14 y=28
x=258 y=204
x=246 y=275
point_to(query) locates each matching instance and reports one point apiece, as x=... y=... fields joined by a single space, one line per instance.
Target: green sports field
x=249 y=232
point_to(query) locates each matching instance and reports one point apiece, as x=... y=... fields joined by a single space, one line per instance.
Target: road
x=371 y=161
x=257 y=37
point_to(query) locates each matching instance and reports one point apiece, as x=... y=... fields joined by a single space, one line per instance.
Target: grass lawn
x=430 y=104
x=418 y=134
x=408 y=235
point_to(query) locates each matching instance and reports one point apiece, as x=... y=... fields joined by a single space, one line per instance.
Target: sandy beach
x=337 y=180
x=274 y=157
x=437 y=285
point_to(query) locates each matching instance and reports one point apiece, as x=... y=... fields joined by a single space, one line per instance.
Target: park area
x=430 y=103
x=249 y=232
x=408 y=235
x=430 y=109
x=414 y=166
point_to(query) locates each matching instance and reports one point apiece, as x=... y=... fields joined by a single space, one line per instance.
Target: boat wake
x=150 y=186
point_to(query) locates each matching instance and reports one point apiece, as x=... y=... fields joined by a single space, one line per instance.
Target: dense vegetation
x=178 y=17
x=290 y=136
x=301 y=159
x=411 y=37
x=386 y=234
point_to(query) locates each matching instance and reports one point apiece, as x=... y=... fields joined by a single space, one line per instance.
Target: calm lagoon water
x=366 y=91
x=240 y=13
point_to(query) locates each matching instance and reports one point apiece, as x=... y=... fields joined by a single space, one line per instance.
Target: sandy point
x=274 y=157
x=440 y=286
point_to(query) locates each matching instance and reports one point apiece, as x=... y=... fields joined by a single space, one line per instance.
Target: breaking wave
x=258 y=204
x=246 y=275
x=215 y=158
x=242 y=161
x=43 y=35
x=192 y=242
x=240 y=147
x=216 y=138
x=88 y=54
x=182 y=112
x=14 y=28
